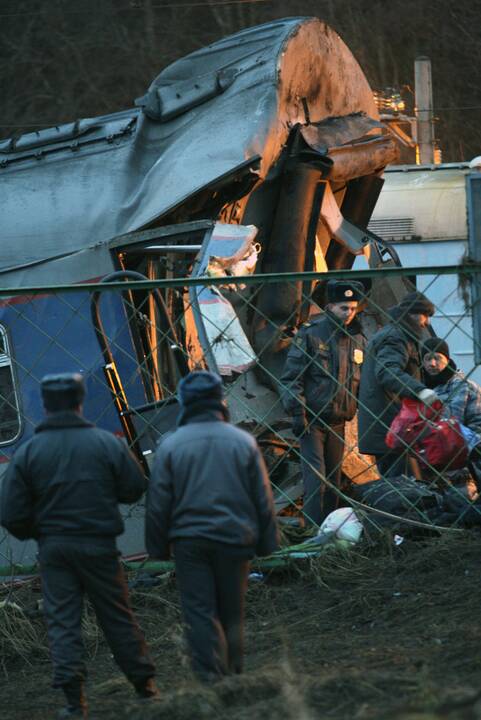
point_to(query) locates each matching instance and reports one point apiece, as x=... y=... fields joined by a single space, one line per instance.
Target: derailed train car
x=263 y=149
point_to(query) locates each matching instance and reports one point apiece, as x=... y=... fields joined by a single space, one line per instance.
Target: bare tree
x=60 y=60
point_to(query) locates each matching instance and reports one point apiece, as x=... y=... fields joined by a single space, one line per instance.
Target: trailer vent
x=393 y=228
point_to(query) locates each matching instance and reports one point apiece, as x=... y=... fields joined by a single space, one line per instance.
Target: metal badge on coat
x=358 y=356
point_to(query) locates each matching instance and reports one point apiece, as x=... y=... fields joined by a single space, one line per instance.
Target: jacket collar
x=353 y=328
x=63 y=419
x=203 y=411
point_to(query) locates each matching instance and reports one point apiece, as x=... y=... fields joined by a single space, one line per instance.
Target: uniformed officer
x=320 y=386
x=62 y=488
x=210 y=496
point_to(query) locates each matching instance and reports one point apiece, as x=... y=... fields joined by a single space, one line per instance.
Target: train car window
x=9 y=410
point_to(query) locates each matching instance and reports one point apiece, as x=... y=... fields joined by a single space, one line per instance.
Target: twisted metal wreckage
x=260 y=153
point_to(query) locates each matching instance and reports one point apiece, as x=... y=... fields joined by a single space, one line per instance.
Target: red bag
x=434 y=438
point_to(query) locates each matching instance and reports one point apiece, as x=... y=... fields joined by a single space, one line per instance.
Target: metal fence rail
x=133 y=340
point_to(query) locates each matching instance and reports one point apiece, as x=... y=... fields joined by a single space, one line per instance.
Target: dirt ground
x=379 y=632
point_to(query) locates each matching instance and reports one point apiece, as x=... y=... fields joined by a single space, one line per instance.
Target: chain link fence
x=134 y=339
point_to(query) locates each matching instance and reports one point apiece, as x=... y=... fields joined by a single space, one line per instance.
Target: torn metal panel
x=352 y=237
x=359 y=160
x=228 y=341
x=235 y=259
x=337 y=131
x=219 y=330
x=356 y=144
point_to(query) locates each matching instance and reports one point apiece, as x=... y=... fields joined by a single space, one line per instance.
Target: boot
x=69 y=711
x=76 y=701
x=146 y=689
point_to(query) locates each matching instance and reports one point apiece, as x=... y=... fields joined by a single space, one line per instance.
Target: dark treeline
x=65 y=59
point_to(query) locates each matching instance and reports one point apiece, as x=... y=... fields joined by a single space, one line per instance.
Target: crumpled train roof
x=83 y=183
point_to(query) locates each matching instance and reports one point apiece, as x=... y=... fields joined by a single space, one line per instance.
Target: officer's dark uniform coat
x=62 y=488
x=210 y=496
x=319 y=388
x=209 y=481
x=323 y=369
x=68 y=480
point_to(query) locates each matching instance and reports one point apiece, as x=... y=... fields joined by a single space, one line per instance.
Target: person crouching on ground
x=210 y=496
x=63 y=487
x=460 y=396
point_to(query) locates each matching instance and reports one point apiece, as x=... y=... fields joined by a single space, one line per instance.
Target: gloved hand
x=427 y=396
x=299 y=426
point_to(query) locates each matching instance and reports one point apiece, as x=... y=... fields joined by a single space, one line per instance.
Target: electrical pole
x=423 y=91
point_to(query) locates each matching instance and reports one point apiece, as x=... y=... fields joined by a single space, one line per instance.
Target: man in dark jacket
x=211 y=498
x=392 y=371
x=321 y=379
x=62 y=488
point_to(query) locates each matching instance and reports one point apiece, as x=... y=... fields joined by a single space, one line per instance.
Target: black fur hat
x=62 y=391
x=416 y=303
x=342 y=291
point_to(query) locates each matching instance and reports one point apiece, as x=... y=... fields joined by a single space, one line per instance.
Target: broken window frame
x=148 y=246
x=12 y=403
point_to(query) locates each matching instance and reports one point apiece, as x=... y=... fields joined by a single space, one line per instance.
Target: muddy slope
x=376 y=633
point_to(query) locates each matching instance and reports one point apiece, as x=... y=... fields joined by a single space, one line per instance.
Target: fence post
x=423 y=89
x=473 y=195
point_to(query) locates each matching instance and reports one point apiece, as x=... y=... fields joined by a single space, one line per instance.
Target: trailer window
x=9 y=411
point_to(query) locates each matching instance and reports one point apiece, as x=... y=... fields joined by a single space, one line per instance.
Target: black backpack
x=402 y=497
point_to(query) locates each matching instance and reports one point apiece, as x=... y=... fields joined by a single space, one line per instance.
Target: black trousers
x=71 y=569
x=393 y=464
x=212 y=580
x=322 y=451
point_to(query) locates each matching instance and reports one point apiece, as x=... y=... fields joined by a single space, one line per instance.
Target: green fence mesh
x=134 y=340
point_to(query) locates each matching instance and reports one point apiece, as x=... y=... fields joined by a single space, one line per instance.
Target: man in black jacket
x=392 y=371
x=321 y=379
x=211 y=498
x=62 y=488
